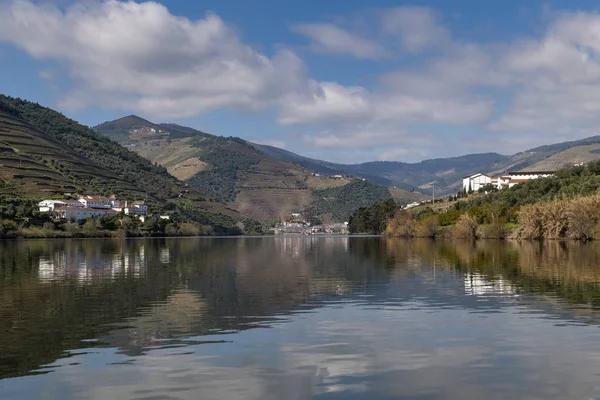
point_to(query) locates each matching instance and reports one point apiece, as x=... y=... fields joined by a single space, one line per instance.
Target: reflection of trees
x=568 y=270
x=56 y=293
x=43 y=318
x=131 y=293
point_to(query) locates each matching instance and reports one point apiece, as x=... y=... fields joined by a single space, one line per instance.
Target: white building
x=95 y=202
x=476 y=181
x=81 y=213
x=50 y=205
x=137 y=208
x=514 y=178
x=479 y=180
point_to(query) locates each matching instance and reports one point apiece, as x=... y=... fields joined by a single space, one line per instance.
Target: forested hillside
x=564 y=206
x=240 y=174
x=97 y=164
x=341 y=202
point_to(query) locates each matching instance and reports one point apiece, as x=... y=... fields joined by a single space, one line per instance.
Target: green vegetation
x=565 y=206
x=127 y=165
x=219 y=181
x=38 y=225
x=373 y=219
x=341 y=202
x=101 y=166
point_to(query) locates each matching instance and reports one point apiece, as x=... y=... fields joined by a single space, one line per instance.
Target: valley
x=242 y=175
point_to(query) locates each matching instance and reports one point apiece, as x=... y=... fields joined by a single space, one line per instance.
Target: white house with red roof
x=508 y=180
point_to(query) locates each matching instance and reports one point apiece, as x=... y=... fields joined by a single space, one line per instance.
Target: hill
x=40 y=165
x=236 y=172
x=446 y=173
x=45 y=154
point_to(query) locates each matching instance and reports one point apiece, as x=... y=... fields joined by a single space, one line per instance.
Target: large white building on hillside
x=93 y=207
x=95 y=202
x=136 y=208
x=478 y=180
x=81 y=213
x=50 y=205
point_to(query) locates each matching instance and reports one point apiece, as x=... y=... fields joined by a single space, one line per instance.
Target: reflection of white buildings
x=129 y=263
x=477 y=284
x=84 y=268
x=165 y=255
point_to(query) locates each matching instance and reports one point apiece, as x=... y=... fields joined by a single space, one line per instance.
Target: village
x=297 y=225
x=89 y=206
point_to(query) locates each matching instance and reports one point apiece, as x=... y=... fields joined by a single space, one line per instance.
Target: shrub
x=170 y=230
x=466 y=227
x=428 y=227
x=497 y=230
x=188 y=229
x=49 y=226
x=531 y=219
x=584 y=217
x=403 y=224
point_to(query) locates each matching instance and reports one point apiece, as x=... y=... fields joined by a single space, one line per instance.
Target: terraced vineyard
x=44 y=154
x=232 y=170
x=40 y=164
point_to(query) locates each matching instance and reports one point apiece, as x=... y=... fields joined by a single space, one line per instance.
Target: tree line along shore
x=564 y=206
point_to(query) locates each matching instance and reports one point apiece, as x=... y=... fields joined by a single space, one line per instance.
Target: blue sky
x=345 y=81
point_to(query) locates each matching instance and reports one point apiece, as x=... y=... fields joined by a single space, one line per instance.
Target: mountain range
x=223 y=180
x=192 y=155
x=245 y=176
x=445 y=174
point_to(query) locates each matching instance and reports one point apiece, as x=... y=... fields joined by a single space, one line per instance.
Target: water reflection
x=297 y=317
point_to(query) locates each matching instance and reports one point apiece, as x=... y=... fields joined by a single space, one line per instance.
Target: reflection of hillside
x=179 y=315
x=559 y=271
x=137 y=294
x=56 y=293
x=257 y=277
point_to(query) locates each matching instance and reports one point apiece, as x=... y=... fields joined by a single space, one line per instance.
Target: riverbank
x=107 y=228
x=574 y=218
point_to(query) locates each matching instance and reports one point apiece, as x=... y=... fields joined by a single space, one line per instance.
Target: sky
x=344 y=81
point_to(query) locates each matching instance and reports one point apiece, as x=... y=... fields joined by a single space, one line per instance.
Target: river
x=298 y=318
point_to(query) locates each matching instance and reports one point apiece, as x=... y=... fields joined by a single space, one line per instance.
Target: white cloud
x=329 y=38
x=549 y=85
x=46 y=75
x=557 y=79
x=328 y=103
x=139 y=56
x=417 y=28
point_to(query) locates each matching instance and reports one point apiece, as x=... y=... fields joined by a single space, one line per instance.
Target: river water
x=299 y=318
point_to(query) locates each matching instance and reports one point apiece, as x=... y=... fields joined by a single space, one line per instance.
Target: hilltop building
x=478 y=180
